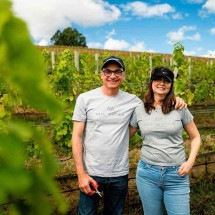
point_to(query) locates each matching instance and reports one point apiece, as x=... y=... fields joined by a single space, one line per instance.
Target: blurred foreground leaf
x=21 y=66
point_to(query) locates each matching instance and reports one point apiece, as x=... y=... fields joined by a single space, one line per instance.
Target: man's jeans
x=114 y=193
x=157 y=185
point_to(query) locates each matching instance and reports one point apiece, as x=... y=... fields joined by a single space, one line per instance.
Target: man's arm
x=84 y=179
x=132 y=131
x=180 y=103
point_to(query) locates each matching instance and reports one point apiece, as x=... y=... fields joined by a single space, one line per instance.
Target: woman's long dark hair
x=168 y=102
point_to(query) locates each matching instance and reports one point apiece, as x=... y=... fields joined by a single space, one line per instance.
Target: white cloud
x=195 y=1
x=202 y=13
x=142 y=9
x=195 y=37
x=210 y=54
x=212 y=30
x=117 y=44
x=199 y=49
x=180 y=34
x=95 y=45
x=43 y=42
x=177 y=16
x=112 y=33
x=138 y=47
x=190 y=53
x=113 y=44
x=209 y=6
x=44 y=18
x=198 y=52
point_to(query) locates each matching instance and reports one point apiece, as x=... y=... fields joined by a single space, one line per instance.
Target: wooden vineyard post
x=76 y=53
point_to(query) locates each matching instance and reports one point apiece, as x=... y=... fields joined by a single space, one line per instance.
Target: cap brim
x=161 y=75
x=112 y=61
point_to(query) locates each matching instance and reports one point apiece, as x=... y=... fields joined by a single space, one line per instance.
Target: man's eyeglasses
x=108 y=72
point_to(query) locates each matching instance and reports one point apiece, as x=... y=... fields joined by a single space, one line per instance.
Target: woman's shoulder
x=182 y=111
x=140 y=108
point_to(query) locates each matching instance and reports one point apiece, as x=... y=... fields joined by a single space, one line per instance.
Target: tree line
x=68 y=37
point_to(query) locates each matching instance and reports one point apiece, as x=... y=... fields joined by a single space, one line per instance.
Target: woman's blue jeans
x=159 y=185
x=114 y=193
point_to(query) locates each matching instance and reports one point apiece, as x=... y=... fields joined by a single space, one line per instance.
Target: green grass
x=203 y=198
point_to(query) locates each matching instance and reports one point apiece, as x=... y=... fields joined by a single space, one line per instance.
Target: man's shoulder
x=127 y=94
x=130 y=95
x=90 y=92
x=130 y=99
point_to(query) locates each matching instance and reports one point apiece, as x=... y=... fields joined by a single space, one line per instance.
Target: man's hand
x=179 y=103
x=84 y=181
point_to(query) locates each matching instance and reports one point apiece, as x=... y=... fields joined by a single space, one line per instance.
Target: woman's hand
x=185 y=168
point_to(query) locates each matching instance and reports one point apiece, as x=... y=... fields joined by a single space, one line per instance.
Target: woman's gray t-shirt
x=162 y=135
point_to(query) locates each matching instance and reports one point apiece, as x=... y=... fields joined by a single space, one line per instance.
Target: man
x=100 y=141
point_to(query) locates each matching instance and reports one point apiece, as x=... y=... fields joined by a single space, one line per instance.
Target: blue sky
x=150 y=26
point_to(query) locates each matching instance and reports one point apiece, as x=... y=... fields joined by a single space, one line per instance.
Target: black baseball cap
x=113 y=59
x=162 y=71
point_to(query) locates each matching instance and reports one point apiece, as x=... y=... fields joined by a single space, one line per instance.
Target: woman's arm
x=195 y=142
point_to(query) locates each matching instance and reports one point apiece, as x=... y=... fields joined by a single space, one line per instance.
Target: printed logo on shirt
x=110 y=108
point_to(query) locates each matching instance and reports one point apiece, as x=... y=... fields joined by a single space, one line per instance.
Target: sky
x=141 y=26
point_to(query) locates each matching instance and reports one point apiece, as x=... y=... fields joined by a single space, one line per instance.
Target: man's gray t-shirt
x=106 y=135
x=162 y=135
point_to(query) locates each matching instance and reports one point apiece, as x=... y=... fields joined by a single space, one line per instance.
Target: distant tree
x=68 y=37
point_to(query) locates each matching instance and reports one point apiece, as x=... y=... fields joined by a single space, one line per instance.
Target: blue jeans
x=159 y=185
x=114 y=193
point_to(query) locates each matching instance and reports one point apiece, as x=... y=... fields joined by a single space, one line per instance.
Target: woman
x=162 y=172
